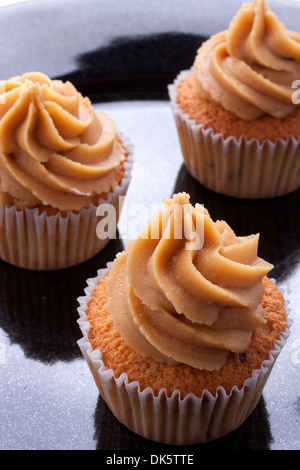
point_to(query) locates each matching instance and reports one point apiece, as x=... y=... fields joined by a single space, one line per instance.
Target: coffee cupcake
x=237 y=111
x=60 y=159
x=182 y=329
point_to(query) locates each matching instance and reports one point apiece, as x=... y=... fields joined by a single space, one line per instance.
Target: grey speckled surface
x=54 y=31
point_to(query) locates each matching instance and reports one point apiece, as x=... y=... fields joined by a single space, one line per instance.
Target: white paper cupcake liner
x=38 y=241
x=171 y=419
x=240 y=168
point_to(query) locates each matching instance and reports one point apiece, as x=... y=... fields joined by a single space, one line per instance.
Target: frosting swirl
x=187 y=290
x=250 y=68
x=55 y=149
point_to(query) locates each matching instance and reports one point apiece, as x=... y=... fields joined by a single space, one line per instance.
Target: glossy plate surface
x=123 y=57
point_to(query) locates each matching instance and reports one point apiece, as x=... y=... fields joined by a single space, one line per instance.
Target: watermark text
x=181 y=222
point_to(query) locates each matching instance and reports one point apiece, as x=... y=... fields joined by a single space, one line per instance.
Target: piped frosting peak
x=55 y=149
x=187 y=290
x=250 y=68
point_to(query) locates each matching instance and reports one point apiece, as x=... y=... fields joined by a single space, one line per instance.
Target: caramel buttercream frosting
x=187 y=290
x=55 y=149
x=250 y=68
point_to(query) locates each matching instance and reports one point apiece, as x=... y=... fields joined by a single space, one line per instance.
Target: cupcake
x=182 y=329
x=236 y=110
x=60 y=159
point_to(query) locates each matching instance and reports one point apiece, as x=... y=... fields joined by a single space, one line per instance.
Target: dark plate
x=123 y=57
